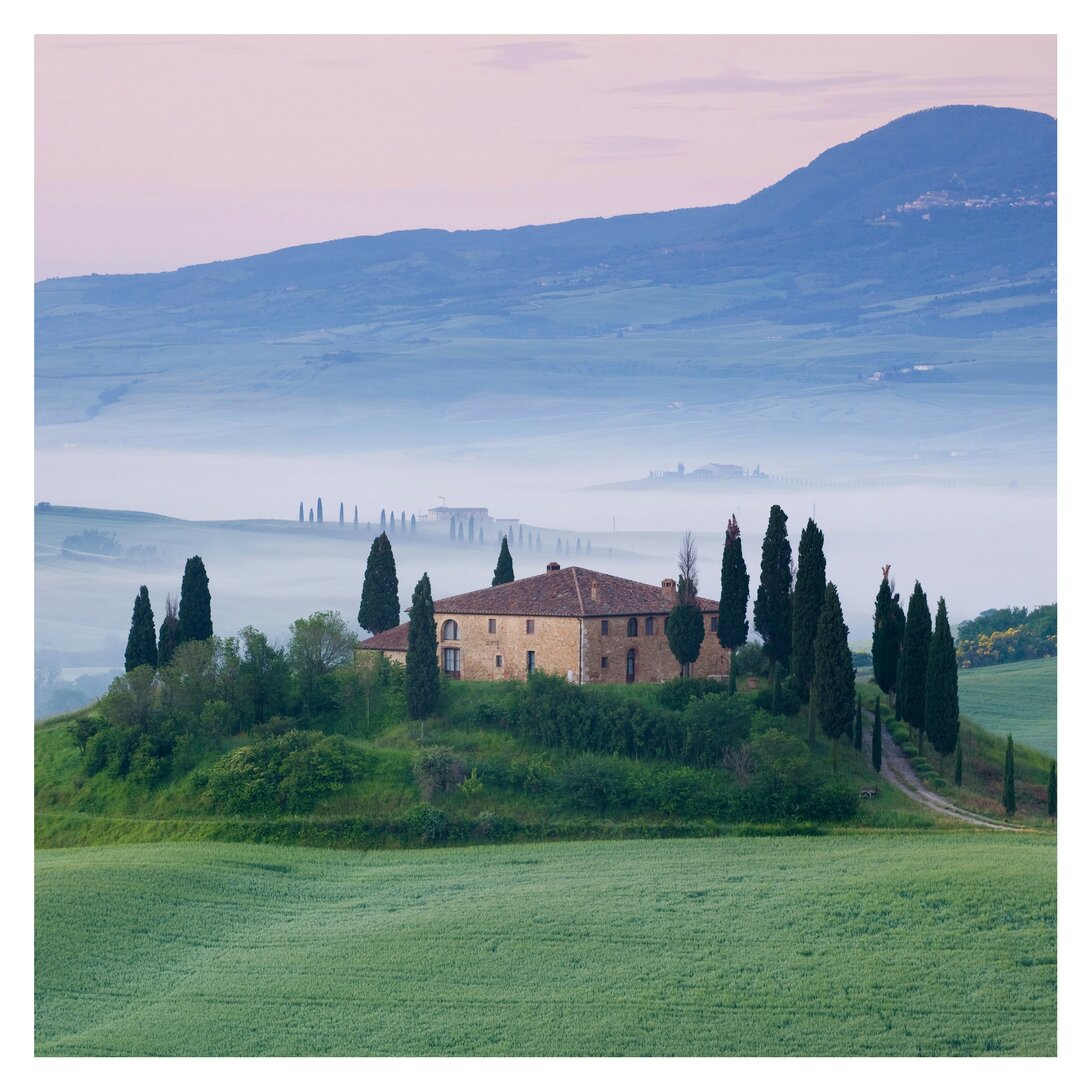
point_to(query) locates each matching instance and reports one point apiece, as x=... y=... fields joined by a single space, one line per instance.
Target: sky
x=158 y=152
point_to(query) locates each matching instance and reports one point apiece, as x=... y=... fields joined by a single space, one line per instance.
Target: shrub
x=426 y=823
x=437 y=769
x=594 y=782
x=676 y=694
x=751 y=660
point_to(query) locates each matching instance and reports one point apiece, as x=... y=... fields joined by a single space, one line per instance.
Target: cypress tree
x=834 y=677
x=193 y=620
x=888 y=634
x=167 y=633
x=355 y=517
x=472 y=529
x=379 y=606
x=806 y=602
x=875 y=745
x=480 y=539
x=461 y=530
x=917 y=634
x=772 y=608
x=142 y=641
x=731 y=625
x=311 y=516
x=558 y=546
x=318 y=510
x=942 y=712
x=899 y=707
x=858 y=724
x=453 y=528
x=393 y=525
x=412 y=524
x=958 y=765
x=504 y=568
x=301 y=511
x=685 y=627
x=1051 y=791
x=577 y=548
x=1009 y=795
x=382 y=521
x=421 y=657
x=341 y=513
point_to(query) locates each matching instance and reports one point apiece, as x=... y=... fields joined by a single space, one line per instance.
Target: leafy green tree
x=192 y=679
x=255 y=675
x=142 y=641
x=380 y=608
x=504 y=568
x=421 y=657
x=686 y=624
x=834 y=677
x=958 y=765
x=319 y=644
x=806 y=602
x=167 y=632
x=193 y=620
x=888 y=635
x=1051 y=791
x=875 y=745
x=942 y=713
x=731 y=626
x=318 y=510
x=1009 y=795
x=916 y=652
x=772 y=608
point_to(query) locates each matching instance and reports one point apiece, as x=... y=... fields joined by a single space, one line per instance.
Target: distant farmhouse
x=573 y=622
x=712 y=471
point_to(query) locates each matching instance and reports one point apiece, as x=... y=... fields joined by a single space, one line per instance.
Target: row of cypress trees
x=190 y=622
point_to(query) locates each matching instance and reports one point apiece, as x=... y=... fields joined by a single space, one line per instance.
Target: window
x=631 y=665
x=604 y=627
x=498 y=661
x=530 y=627
x=631 y=627
x=650 y=626
x=714 y=623
x=491 y=626
x=452 y=662
x=450 y=630
x=603 y=661
x=530 y=661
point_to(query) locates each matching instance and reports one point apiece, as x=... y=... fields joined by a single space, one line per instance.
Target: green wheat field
x=881 y=944
x=1018 y=699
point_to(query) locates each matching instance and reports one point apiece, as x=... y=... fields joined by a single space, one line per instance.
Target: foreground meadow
x=885 y=944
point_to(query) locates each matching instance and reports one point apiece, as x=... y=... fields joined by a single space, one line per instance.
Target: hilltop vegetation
x=1002 y=635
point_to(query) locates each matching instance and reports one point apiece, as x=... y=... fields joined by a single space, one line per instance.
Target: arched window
x=631 y=665
x=650 y=626
x=631 y=627
x=450 y=630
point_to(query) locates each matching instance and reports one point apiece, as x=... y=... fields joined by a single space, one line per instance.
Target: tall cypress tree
x=1051 y=791
x=899 y=707
x=888 y=636
x=301 y=511
x=193 y=620
x=504 y=568
x=834 y=676
x=917 y=634
x=857 y=738
x=421 y=657
x=318 y=510
x=772 y=608
x=806 y=602
x=341 y=513
x=453 y=527
x=311 y=516
x=142 y=642
x=875 y=745
x=379 y=606
x=382 y=521
x=1009 y=794
x=355 y=516
x=461 y=530
x=685 y=626
x=480 y=538
x=942 y=712
x=412 y=524
x=731 y=625
x=167 y=633
x=958 y=764
x=393 y=524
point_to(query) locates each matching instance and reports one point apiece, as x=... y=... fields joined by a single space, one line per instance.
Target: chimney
x=668 y=585
x=552 y=567
x=594 y=591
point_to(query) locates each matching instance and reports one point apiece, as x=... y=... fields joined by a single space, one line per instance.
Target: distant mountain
x=952 y=198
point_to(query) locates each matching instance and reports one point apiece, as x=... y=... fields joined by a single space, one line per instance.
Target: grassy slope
x=859 y=945
x=1018 y=699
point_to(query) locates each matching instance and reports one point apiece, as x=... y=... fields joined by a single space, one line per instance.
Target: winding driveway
x=897 y=770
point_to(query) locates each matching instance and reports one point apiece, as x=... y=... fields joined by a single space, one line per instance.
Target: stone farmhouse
x=578 y=623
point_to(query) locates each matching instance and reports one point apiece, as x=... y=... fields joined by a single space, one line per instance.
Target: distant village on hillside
x=712 y=471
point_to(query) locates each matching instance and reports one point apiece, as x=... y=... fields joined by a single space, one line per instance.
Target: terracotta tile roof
x=394 y=640
x=568 y=592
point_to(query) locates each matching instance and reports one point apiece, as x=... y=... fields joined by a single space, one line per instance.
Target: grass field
x=891 y=944
x=1018 y=699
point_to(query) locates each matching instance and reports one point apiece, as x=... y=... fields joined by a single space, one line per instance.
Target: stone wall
x=554 y=640
x=654 y=659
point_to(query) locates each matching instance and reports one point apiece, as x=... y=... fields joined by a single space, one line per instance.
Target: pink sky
x=157 y=152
